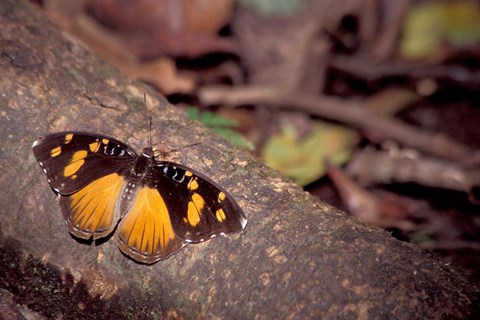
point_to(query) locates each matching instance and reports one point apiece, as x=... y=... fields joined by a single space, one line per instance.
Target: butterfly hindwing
x=93 y=211
x=199 y=208
x=146 y=232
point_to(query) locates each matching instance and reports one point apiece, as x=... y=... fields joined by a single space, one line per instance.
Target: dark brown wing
x=72 y=160
x=199 y=208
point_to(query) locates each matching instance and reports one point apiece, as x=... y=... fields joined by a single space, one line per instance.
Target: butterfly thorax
x=139 y=170
x=137 y=176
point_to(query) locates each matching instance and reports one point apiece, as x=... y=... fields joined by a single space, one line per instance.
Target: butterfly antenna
x=184 y=147
x=149 y=122
x=163 y=151
x=150 y=132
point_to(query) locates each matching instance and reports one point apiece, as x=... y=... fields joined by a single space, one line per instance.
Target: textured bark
x=297 y=258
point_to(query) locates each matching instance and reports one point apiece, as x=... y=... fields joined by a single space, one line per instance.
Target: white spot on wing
x=243 y=222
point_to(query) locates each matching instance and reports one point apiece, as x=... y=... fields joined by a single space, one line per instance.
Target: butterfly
x=153 y=207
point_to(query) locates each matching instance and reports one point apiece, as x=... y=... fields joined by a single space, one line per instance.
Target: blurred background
x=371 y=105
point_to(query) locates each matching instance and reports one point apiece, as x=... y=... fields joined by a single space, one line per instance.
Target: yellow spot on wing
x=72 y=168
x=105 y=141
x=82 y=154
x=55 y=152
x=188 y=173
x=146 y=228
x=94 y=146
x=221 y=196
x=195 y=209
x=220 y=215
x=91 y=210
x=75 y=164
x=198 y=200
x=68 y=138
x=193 y=217
x=192 y=184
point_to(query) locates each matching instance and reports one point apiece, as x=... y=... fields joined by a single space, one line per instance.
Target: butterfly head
x=148 y=152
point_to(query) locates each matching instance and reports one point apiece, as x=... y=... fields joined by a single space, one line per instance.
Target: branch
x=404 y=166
x=344 y=111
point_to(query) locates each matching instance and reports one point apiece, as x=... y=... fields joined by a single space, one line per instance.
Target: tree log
x=297 y=257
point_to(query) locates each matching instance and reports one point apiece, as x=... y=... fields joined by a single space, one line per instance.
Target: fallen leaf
x=163 y=74
x=303 y=159
x=384 y=211
x=428 y=26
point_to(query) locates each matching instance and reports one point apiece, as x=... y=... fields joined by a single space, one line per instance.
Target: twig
x=372 y=69
x=451 y=245
x=345 y=111
x=381 y=167
x=388 y=32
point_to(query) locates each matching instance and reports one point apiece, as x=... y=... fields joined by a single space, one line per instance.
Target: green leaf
x=210 y=119
x=423 y=30
x=220 y=125
x=422 y=237
x=431 y=24
x=462 y=23
x=274 y=7
x=303 y=159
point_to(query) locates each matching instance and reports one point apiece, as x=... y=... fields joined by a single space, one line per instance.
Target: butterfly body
x=156 y=207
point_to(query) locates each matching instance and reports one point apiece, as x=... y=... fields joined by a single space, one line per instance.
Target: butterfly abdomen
x=137 y=177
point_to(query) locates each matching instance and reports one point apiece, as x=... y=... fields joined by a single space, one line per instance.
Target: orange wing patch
x=92 y=210
x=146 y=233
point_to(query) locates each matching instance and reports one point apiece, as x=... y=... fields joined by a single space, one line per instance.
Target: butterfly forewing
x=72 y=160
x=199 y=208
